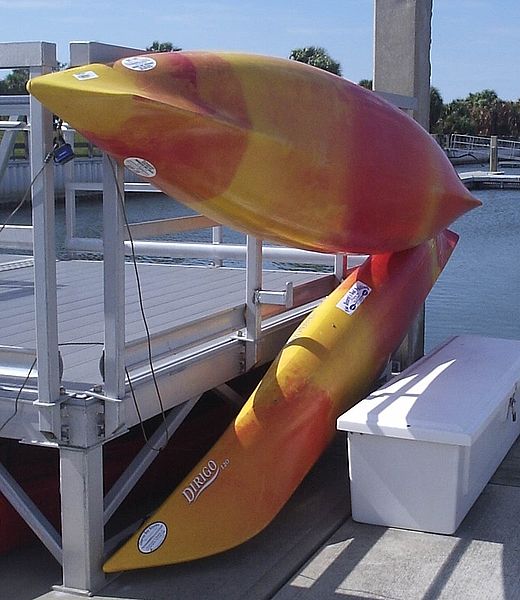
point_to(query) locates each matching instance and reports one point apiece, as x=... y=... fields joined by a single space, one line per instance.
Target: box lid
x=449 y=396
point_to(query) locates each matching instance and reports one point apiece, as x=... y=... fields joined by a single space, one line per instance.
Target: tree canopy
x=157 y=46
x=15 y=82
x=480 y=113
x=316 y=56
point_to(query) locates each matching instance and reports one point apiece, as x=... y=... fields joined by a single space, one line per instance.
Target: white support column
x=41 y=140
x=81 y=485
x=253 y=285
x=114 y=287
x=402 y=41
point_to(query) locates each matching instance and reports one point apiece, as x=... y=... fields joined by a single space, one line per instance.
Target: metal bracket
x=285 y=298
x=50 y=418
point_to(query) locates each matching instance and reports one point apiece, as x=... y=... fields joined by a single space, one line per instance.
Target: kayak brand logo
x=350 y=302
x=201 y=482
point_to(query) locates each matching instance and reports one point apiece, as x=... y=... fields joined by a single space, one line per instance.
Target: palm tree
x=316 y=56
x=162 y=47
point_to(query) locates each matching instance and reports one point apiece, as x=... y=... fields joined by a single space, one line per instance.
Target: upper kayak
x=276 y=148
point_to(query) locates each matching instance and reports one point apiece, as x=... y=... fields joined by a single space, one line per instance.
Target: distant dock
x=475 y=180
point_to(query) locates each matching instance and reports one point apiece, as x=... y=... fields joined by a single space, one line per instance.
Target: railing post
x=493 y=154
x=253 y=285
x=70 y=193
x=114 y=289
x=43 y=220
x=217 y=238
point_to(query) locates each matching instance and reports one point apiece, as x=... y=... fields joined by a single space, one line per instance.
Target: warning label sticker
x=152 y=537
x=139 y=63
x=86 y=75
x=351 y=301
x=140 y=166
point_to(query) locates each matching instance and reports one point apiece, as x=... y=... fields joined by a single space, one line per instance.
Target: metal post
x=493 y=154
x=70 y=193
x=253 y=285
x=114 y=288
x=217 y=238
x=81 y=485
x=340 y=266
x=41 y=140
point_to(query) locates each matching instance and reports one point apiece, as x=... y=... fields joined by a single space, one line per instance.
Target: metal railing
x=507 y=149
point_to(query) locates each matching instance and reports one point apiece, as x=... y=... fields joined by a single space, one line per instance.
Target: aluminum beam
x=84 y=53
x=44 y=249
x=81 y=485
x=30 y=513
x=27 y=54
x=150 y=451
x=114 y=290
x=253 y=286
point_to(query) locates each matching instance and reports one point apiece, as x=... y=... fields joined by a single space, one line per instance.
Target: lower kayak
x=328 y=364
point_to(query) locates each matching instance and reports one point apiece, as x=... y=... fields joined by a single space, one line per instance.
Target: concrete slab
x=366 y=561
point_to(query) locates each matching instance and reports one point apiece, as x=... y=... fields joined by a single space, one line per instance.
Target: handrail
x=147 y=229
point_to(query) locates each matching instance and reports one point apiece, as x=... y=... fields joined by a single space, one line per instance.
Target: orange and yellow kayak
x=327 y=365
x=276 y=148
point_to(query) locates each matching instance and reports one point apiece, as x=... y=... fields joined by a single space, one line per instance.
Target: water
x=477 y=293
x=479 y=290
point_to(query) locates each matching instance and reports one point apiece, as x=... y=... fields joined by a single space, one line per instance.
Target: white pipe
x=206 y=251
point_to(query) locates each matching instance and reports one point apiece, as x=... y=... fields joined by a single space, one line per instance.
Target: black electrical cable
x=144 y=319
x=27 y=191
x=16 y=400
x=2 y=227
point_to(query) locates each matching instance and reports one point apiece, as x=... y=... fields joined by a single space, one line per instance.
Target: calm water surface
x=478 y=292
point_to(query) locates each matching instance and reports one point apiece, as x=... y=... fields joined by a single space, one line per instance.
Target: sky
x=475 y=43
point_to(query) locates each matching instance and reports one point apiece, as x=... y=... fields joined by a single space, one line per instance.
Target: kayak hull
x=283 y=151
x=328 y=364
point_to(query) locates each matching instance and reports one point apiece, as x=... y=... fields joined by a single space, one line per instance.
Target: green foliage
x=15 y=82
x=366 y=83
x=481 y=113
x=436 y=108
x=162 y=47
x=316 y=57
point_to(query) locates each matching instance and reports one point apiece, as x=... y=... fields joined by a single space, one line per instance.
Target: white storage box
x=422 y=448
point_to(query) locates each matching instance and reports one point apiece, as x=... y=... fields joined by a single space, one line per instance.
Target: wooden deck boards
x=173 y=295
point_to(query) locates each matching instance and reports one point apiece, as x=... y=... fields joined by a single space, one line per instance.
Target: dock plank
x=173 y=295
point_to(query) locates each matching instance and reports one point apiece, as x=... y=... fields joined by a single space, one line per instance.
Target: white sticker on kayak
x=152 y=537
x=86 y=75
x=140 y=166
x=354 y=297
x=139 y=63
